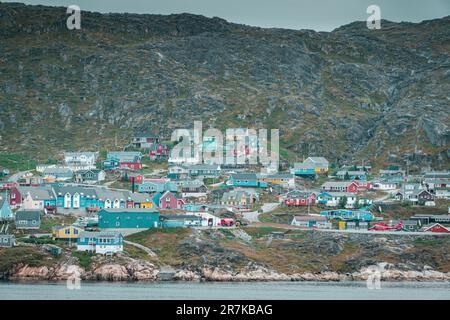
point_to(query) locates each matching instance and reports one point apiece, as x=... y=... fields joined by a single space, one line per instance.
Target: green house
x=128 y=218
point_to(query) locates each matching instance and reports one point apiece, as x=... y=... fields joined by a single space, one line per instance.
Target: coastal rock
x=66 y=271
x=186 y=275
x=27 y=272
x=110 y=272
x=142 y=271
x=216 y=274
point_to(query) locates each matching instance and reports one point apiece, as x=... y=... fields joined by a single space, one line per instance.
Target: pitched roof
x=124 y=156
x=322 y=160
x=244 y=176
x=130 y=210
x=302 y=165
x=309 y=218
x=62 y=190
x=99 y=234
x=204 y=167
x=179 y=217
x=437 y=174
x=140 y=197
x=57 y=170
x=28 y=215
x=280 y=175
x=103 y=193
x=337 y=184
x=351 y=172
x=37 y=193
x=190 y=183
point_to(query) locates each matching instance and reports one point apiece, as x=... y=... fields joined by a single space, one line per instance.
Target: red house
x=436 y=228
x=15 y=196
x=300 y=199
x=340 y=186
x=168 y=200
x=158 y=151
x=132 y=165
x=138 y=178
x=363 y=185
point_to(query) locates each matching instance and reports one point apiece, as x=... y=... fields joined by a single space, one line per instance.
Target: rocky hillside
x=380 y=95
x=226 y=255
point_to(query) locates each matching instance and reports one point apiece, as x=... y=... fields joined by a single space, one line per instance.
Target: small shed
x=28 y=219
x=7 y=240
x=54 y=250
x=277 y=234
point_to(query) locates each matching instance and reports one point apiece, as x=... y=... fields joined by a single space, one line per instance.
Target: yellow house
x=146 y=205
x=66 y=232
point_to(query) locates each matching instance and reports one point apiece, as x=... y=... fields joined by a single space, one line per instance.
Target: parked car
x=227 y=222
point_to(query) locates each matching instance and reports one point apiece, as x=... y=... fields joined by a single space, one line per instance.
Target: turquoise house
x=104 y=242
x=75 y=197
x=152 y=186
x=342 y=214
x=5 y=209
x=246 y=180
x=301 y=169
x=128 y=218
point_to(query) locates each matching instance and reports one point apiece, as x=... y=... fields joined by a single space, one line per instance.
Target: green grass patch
x=258 y=232
x=16 y=161
x=31 y=256
x=84 y=258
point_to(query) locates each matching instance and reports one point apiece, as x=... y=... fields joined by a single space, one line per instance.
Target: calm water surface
x=214 y=290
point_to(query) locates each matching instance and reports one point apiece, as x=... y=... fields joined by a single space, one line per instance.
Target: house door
x=67 y=201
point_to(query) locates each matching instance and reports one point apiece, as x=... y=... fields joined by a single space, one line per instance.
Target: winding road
x=266 y=207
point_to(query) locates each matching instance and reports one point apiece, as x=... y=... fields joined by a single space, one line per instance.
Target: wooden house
x=435 y=227
x=123 y=159
x=158 y=151
x=351 y=175
x=169 y=200
x=144 y=140
x=300 y=198
x=338 y=186
x=246 y=180
x=311 y=221
x=103 y=242
x=128 y=218
x=77 y=161
x=204 y=171
x=28 y=219
x=6 y=212
x=66 y=232
x=90 y=176
x=7 y=240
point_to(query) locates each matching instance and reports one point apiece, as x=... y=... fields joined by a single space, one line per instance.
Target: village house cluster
x=175 y=194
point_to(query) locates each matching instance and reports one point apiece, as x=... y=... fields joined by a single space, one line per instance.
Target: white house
x=334 y=199
x=77 y=161
x=381 y=185
x=311 y=221
x=35 y=198
x=104 y=242
x=41 y=167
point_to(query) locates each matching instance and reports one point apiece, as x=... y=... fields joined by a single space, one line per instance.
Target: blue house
x=28 y=219
x=5 y=209
x=72 y=197
x=104 y=242
x=128 y=218
x=304 y=169
x=246 y=180
x=157 y=186
x=342 y=214
x=351 y=175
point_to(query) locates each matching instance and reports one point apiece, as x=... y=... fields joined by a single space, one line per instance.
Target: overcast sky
x=319 y=15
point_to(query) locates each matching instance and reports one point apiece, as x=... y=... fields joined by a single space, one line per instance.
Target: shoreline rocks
x=137 y=270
